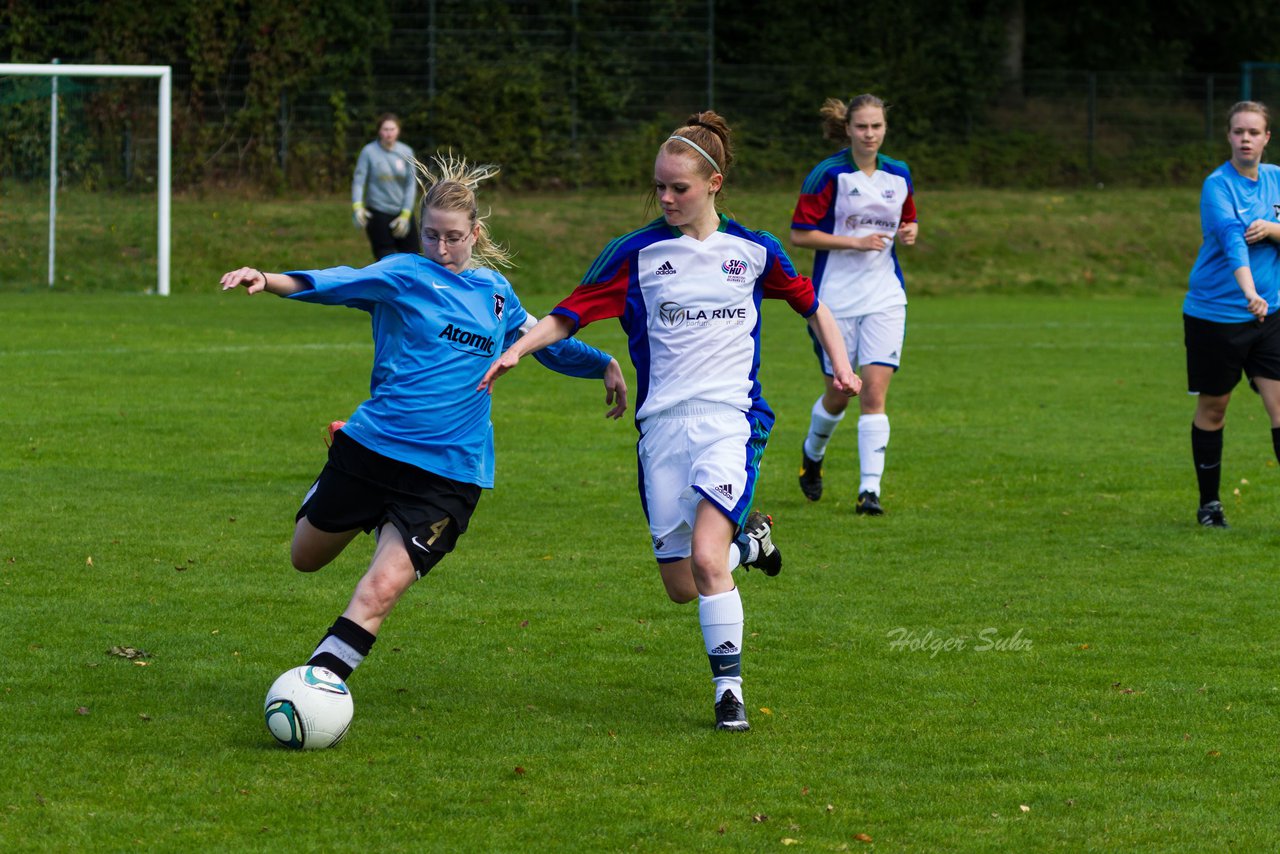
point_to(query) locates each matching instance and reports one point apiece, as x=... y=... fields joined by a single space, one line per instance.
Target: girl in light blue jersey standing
x=1229 y=315
x=411 y=461
x=383 y=190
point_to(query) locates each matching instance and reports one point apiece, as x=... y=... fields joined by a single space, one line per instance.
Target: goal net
x=84 y=177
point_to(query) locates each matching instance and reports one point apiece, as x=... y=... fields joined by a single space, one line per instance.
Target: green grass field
x=1037 y=649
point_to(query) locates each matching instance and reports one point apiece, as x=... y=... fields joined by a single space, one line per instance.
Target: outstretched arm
x=255 y=281
x=824 y=327
x=548 y=330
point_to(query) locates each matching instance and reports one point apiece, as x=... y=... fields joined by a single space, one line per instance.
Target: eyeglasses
x=449 y=239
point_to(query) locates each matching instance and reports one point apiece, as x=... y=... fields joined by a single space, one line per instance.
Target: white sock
x=741 y=552
x=873 y=443
x=821 y=425
x=721 y=619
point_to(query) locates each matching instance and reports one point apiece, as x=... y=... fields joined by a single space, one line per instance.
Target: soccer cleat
x=759 y=527
x=1211 y=516
x=810 y=477
x=729 y=713
x=334 y=427
x=869 y=504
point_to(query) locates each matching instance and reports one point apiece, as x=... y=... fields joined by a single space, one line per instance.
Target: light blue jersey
x=1229 y=202
x=435 y=333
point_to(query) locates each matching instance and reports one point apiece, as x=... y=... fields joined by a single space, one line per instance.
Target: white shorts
x=693 y=451
x=871 y=339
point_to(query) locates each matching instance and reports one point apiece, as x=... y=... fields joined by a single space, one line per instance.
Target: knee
x=304 y=562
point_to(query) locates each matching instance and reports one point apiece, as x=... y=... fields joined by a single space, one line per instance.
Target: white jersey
x=841 y=199
x=691 y=309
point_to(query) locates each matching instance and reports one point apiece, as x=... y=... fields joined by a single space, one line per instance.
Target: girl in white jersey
x=850 y=208
x=687 y=288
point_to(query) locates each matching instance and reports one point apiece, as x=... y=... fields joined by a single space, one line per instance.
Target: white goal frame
x=164 y=120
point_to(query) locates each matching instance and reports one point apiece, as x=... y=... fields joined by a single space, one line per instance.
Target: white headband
x=697 y=148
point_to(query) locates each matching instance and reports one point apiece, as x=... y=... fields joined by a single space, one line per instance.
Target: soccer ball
x=308 y=708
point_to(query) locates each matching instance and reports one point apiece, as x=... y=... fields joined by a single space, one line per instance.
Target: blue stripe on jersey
x=895 y=167
x=620 y=247
x=840 y=161
x=635 y=319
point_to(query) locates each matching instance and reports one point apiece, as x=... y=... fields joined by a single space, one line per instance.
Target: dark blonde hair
x=836 y=114
x=709 y=132
x=387 y=117
x=1250 y=107
x=449 y=184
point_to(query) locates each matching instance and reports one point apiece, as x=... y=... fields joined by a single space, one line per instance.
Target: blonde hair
x=836 y=114
x=1250 y=107
x=449 y=183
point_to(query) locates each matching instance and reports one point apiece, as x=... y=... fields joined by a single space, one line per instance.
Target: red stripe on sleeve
x=812 y=207
x=797 y=290
x=594 y=301
x=908 y=209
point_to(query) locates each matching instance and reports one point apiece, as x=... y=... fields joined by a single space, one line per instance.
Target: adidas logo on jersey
x=726 y=648
x=854 y=192
x=725 y=489
x=667 y=269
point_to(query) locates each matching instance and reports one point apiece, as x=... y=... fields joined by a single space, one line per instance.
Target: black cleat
x=759 y=527
x=869 y=504
x=810 y=477
x=729 y=713
x=1211 y=516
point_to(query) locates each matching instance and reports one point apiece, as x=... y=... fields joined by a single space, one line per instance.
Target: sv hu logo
x=734 y=267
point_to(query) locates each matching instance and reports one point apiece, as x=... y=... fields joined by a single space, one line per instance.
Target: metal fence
x=564 y=101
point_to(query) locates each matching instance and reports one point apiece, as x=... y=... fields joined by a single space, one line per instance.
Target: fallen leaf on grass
x=128 y=652
x=519 y=770
x=787 y=840
x=82 y=710
x=759 y=818
x=765 y=710
x=862 y=837
x=1214 y=754
x=143 y=716
x=88 y=561
x=831 y=808
x=1024 y=807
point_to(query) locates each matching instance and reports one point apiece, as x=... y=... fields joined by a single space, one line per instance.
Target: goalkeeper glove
x=359 y=214
x=400 y=225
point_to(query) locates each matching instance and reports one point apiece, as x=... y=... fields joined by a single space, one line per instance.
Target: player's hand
x=359 y=215
x=615 y=390
x=872 y=242
x=1257 y=305
x=505 y=362
x=1259 y=230
x=400 y=225
x=908 y=231
x=847 y=381
x=253 y=280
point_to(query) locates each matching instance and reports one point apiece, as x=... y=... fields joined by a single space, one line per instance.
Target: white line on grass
x=227 y=348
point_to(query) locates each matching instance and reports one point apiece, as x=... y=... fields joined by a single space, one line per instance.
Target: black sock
x=1275 y=442
x=1206 y=451
x=343 y=648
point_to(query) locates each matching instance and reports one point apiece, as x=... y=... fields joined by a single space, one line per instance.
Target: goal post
x=164 y=74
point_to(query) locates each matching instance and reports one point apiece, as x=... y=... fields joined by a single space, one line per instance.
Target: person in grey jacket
x=383 y=191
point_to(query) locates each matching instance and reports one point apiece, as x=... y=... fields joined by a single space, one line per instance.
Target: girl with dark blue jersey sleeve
x=411 y=461
x=1230 y=321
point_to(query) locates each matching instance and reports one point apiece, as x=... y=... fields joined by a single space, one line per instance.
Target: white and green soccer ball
x=309 y=708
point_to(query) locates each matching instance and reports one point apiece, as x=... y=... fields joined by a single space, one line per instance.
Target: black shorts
x=1217 y=353
x=383 y=242
x=361 y=489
